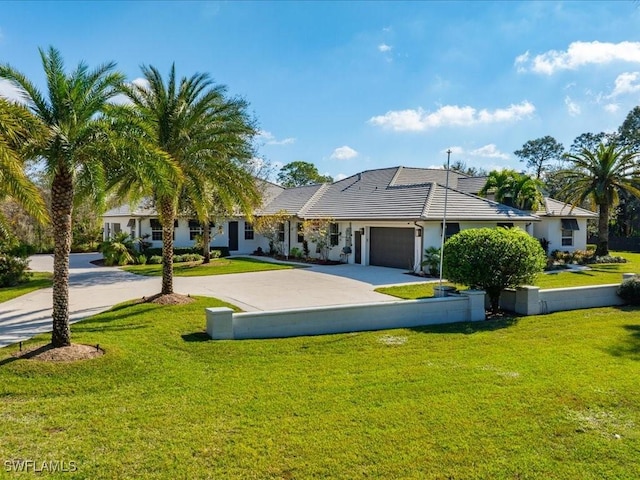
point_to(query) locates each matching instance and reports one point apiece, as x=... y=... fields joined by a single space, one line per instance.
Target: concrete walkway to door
x=96 y=289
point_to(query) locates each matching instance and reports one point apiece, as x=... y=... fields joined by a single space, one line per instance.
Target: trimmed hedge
x=224 y=251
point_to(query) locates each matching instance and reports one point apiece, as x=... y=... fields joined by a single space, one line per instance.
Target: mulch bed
x=168 y=299
x=72 y=353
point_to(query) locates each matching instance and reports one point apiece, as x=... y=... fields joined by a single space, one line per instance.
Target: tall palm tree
x=17 y=126
x=78 y=147
x=70 y=112
x=208 y=136
x=598 y=176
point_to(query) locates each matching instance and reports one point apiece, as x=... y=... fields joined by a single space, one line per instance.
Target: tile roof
x=555 y=208
x=293 y=200
x=465 y=206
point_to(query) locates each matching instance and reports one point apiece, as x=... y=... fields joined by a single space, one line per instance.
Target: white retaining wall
x=533 y=301
x=222 y=323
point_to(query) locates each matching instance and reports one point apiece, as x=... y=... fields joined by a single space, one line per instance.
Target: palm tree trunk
x=168 y=217
x=206 y=240
x=61 y=209
x=603 y=230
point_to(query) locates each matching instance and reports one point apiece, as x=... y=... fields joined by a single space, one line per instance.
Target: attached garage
x=392 y=247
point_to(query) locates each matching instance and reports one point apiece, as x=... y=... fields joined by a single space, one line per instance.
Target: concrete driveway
x=96 y=289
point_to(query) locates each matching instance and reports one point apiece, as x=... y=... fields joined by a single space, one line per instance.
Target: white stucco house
x=383 y=217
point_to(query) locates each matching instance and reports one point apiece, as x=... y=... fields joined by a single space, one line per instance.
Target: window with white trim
x=569 y=225
x=195 y=229
x=248 y=231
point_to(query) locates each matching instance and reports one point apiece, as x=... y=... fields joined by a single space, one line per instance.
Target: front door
x=233 y=236
x=358 y=246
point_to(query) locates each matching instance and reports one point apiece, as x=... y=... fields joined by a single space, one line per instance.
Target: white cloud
x=578 y=55
x=449 y=115
x=626 y=83
x=612 y=107
x=572 y=107
x=344 y=153
x=383 y=47
x=10 y=92
x=338 y=177
x=270 y=139
x=489 y=151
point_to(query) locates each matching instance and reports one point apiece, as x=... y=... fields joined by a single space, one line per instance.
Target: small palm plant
x=119 y=250
x=431 y=260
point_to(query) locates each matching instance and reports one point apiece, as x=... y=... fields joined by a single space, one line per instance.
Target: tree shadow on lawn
x=196 y=337
x=630 y=345
x=503 y=320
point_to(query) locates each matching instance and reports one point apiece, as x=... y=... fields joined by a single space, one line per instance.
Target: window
x=451 y=230
x=300 y=231
x=156 y=229
x=334 y=234
x=505 y=224
x=195 y=229
x=248 y=231
x=281 y=232
x=569 y=225
x=116 y=228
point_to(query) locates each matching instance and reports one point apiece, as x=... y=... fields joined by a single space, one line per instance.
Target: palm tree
x=70 y=113
x=208 y=136
x=17 y=126
x=78 y=147
x=598 y=176
x=514 y=189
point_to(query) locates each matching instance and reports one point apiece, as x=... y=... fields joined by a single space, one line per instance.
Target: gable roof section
x=293 y=200
x=471 y=184
x=370 y=195
x=464 y=206
x=555 y=208
x=416 y=176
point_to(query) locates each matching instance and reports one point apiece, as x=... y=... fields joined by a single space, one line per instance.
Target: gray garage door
x=392 y=247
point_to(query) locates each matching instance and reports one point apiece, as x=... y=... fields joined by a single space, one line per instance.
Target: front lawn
x=37 y=281
x=218 y=266
x=599 y=274
x=538 y=397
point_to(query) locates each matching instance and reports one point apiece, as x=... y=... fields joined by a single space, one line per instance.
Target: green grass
x=218 y=266
x=37 y=281
x=540 y=397
x=599 y=274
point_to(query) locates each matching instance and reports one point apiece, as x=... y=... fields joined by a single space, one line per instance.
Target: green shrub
x=493 y=259
x=119 y=250
x=607 y=259
x=295 y=252
x=192 y=257
x=142 y=259
x=154 y=260
x=432 y=260
x=629 y=290
x=216 y=254
x=13 y=270
x=224 y=251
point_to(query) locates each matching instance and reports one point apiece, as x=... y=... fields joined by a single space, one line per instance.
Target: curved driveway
x=96 y=289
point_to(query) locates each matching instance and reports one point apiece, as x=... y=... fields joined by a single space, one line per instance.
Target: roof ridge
x=429 y=200
x=392 y=183
x=312 y=201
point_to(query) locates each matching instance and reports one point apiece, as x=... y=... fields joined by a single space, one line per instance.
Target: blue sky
x=360 y=85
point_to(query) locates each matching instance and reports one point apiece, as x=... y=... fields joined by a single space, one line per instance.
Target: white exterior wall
x=247 y=246
x=551 y=229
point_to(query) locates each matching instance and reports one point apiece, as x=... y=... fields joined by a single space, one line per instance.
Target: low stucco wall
x=222 y=323
x=533 y=301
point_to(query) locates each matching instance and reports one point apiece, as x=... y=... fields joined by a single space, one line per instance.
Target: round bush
x=154 y=260
x=493 y=259
x=629 y=290
x=13 y=270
